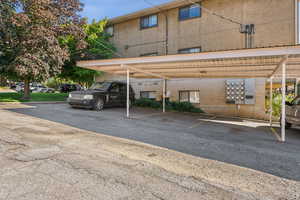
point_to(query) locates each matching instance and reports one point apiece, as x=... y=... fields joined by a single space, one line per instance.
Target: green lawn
x=17 y=97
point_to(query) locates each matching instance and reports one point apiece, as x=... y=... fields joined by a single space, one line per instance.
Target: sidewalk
x=40 y=159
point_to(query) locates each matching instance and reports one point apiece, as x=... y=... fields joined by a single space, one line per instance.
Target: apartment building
x=190 y=26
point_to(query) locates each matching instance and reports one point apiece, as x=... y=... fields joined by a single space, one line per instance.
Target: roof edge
x=148 y=11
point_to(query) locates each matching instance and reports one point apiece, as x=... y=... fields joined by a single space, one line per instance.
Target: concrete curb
x=44 y=102
x=34 y=102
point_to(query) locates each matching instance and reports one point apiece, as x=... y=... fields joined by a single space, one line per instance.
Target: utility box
x=240 y=91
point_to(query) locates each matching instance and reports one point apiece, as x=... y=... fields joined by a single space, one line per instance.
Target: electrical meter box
x=240 y=91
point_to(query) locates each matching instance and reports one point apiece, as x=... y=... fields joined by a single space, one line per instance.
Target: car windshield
x=100 y=86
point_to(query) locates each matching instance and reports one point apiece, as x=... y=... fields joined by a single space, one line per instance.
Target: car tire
x=287 y=125
x=99 y=105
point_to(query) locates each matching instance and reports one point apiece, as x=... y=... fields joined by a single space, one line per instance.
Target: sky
x=99 y=9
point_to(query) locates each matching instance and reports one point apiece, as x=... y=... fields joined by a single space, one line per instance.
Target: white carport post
x=283 y=113
x=128 y=90
x=271 y=101
x=164 y=95
x=296 y=87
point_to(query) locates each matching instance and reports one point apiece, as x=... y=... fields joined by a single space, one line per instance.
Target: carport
x=272 y=63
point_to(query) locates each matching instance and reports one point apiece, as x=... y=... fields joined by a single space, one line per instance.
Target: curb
x=44 y=102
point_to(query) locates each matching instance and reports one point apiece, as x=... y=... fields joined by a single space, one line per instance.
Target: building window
x=149 y=54
x=149 y=21
x=190 y=12
x=189 y=96
x=148 y=95
x=190 y=50
x=110 y=30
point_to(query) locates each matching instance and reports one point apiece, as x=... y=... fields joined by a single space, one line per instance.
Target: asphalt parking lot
x=244 y=143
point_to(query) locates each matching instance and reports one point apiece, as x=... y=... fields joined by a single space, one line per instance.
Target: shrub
x=184 y=107
x=147 y=103
x=177 y=106
x=277 y=101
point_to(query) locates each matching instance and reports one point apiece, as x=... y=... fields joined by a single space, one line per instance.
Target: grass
x=17 y=97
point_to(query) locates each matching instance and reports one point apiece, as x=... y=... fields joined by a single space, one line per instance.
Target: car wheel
x=99 y=105
x=287 y=125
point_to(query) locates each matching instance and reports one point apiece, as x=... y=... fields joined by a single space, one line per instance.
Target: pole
x=127 y=99
x=283 y=114
x=271 y=101
x=296 y=87
x=164 y=95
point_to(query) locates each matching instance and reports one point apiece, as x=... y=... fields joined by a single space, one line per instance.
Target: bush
x=147 y=103
x=177 y=106
x=277 y=101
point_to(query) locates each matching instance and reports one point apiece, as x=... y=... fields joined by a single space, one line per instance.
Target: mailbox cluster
x=235 y=91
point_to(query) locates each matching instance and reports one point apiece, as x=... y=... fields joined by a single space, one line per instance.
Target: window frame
x=185 y=49
x=148 y=95
x=189 y=7
x=113 y=30
x=189 y=96
x=148 y=16
x=112 y=86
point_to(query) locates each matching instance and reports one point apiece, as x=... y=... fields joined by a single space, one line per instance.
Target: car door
x=293 y=112
x=113 y=94
x=297 y=110
x=123 y=93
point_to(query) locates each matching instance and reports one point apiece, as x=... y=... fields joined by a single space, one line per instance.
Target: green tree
x=97 y=47
x=29 y=37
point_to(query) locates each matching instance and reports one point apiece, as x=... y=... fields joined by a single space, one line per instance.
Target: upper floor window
x=110 y=30
x=149 y=21
x=190 y=12
x=190 y=50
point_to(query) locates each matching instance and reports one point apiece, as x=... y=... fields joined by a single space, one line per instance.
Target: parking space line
x=195 y=125
x=275 y=133
x=199 y=123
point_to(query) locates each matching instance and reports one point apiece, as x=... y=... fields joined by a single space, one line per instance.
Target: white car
x=293 y=113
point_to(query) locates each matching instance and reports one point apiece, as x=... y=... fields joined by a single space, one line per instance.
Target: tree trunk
x=26 y=95
x=3 y=81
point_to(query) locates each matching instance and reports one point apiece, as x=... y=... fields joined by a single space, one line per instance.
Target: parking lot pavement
x=244 y=143
x=40 y=159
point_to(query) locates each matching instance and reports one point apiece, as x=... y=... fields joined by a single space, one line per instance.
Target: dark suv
x=100 y=95
x=65 y=88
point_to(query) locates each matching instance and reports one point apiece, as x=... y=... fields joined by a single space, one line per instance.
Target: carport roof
x=243 y=63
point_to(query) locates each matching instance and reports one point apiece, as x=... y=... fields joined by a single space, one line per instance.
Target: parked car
x=66 y=88
x=293 y=113
x=47 y=90
x=100 y=95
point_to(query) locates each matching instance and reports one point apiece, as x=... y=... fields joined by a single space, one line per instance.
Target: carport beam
x=283 y=113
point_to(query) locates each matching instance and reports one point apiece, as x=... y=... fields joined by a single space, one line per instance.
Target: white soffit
x=261 y=62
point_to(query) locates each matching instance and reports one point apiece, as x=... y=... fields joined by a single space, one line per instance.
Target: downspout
x=167 y=33
x=296 y=21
